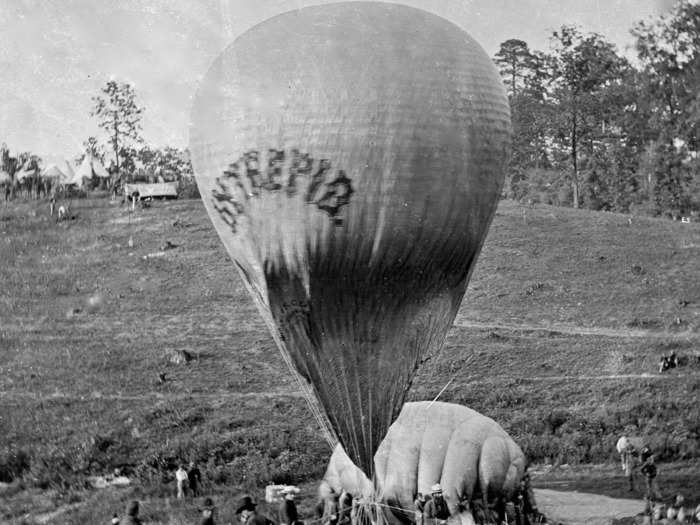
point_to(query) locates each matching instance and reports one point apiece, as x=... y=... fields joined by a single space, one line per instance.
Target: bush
x=188 y=189
x=13 y=463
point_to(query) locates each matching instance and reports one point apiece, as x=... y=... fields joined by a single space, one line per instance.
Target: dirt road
x=573 y=508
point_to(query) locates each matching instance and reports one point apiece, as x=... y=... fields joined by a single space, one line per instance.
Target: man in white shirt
x=181 y=478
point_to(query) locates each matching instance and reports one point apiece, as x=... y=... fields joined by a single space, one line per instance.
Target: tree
x=669 y=50
x=583 y=68
x=170 y=163
x=93 y=148
x=525 y=75
x=120 y=117
x=514 y=60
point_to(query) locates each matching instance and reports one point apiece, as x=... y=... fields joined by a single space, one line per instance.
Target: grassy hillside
x=558 y=339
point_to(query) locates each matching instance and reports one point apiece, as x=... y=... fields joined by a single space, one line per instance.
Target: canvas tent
x=62 y=172
x=91 y=167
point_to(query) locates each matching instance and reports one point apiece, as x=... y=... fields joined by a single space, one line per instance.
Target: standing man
x=288 y=514
x=629 y=463
x=194 y=479
x=649 y=471
x=181 y=479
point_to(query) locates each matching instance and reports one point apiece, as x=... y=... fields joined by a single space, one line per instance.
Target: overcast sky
x=56 y=54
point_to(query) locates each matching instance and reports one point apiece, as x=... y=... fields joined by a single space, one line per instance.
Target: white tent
x=62 y=171
x=84 y=170
x=90 y=167
x=99 y=170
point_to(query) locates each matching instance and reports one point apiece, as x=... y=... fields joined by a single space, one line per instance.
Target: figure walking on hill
x=181 y=479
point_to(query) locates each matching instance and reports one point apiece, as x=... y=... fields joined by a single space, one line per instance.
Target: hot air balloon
x=468 y=454
x=350 y=157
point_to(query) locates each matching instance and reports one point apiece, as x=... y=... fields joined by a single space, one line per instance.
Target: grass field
x=558 y=339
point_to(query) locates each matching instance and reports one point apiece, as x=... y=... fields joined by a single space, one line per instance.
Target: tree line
x=591 y=128
x=594 y=129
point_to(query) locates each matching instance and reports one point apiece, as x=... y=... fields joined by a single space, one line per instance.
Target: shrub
x=13 y=463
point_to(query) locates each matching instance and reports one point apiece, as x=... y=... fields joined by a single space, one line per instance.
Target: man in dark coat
x=649 y=472
x=194 y=479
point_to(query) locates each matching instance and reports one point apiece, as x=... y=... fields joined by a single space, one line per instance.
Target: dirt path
x=611 y=377
x=576 y=330
x=575 y=508
x=156 y=396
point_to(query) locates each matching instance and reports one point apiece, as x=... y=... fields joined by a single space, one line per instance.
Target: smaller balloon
x=468 y=454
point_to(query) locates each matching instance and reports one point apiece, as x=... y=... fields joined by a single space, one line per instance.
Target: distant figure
x=436 y=509
x=207 y=512
x=115 y=519
x=181 y=479
x=629 y=463
x=194 y=479
x=135 y=196
x=52 y=205
x=132 y=514
x=649 y=471
x=61 y=213
x=529 y=505
x=288 y=514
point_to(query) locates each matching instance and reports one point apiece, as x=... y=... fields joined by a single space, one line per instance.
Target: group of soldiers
x=631 y=457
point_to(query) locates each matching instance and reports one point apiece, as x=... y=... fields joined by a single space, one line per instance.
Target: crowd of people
x=335 y=508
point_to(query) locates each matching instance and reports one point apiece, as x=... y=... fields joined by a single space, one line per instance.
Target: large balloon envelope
x=350 y=157
x=467 y=453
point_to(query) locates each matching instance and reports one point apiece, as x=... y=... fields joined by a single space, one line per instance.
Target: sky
x=55 y=55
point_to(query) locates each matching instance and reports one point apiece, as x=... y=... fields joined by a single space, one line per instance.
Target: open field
x=558 y=339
